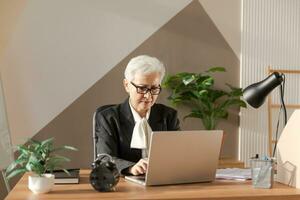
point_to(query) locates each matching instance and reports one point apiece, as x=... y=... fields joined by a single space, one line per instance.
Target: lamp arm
x=282 y=87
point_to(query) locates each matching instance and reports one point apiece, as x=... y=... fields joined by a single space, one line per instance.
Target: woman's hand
x=139 y=168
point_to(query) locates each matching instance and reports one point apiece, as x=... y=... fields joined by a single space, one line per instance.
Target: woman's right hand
x=139 y=168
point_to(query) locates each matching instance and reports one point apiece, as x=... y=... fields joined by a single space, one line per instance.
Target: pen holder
x=262 y=172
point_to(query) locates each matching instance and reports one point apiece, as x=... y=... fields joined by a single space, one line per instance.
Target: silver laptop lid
x=183 y=156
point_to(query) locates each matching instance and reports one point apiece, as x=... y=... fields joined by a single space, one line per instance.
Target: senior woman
x=124 y=129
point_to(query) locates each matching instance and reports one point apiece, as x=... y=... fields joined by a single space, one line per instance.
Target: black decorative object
x=104 y=175
x=256 y=94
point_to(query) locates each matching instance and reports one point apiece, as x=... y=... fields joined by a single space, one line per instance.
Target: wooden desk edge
x=127 y=190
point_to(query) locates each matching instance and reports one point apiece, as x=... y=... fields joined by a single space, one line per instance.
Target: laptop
x=177 y=157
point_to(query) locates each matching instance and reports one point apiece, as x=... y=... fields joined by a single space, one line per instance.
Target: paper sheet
x=233 y=174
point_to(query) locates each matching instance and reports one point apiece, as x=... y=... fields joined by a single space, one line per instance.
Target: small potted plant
x=41 y=160
x=196 y=91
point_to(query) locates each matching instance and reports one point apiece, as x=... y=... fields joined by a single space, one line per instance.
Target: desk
x=127 y=190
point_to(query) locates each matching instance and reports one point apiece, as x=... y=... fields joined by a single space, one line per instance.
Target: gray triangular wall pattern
x=188 y=42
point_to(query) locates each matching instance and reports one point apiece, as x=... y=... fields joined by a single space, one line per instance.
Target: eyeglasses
x=145 y=89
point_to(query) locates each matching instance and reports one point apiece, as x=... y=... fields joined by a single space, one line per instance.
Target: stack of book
x=62 y=177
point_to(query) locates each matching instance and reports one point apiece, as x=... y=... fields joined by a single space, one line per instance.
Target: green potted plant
x=41 y=160
x=196 y=91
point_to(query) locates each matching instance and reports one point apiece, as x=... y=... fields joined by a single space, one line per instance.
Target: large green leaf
x=232 y=102
x=166 y=82
x=66 y=171
x=209 y=122
x=65 y=147
x=47 y=142
x=221 y=114
x=194 y=114
x=208 y=82
x=203 y=93
x=34 y=165
x=206 y=103
x=23 y=149
x=12 y=166
x=16 y=172
x=21 y=160
x=216 y=94
x=216 y=69
x=239 y=102
x=236 y=92
x=188 y=79
x=198 y=94
x=70 y=148
x=56 y=160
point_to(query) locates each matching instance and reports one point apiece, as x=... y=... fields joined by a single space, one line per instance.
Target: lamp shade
x=256 y=93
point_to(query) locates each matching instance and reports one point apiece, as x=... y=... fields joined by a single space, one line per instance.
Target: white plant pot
x=41 y=184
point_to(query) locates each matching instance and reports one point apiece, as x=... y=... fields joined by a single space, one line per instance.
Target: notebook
x=181 y=157
x=62 y=178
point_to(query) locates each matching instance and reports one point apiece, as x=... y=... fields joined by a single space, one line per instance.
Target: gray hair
x=144 y=64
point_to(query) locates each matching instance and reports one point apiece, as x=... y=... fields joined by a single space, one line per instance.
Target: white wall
x=270 y=37
x=57 y=49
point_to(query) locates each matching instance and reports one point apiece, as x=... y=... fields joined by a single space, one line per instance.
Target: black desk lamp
x=256 y=94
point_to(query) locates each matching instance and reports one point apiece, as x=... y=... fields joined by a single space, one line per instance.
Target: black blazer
x=114 y=126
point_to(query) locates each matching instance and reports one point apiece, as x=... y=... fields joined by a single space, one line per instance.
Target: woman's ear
x=126 y=85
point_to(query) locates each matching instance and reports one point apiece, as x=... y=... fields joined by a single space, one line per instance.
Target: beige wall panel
x=10 y=11
x=227 y=17
x=53 y=51
x=188 y=42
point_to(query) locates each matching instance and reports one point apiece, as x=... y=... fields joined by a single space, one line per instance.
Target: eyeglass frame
x=137 y=87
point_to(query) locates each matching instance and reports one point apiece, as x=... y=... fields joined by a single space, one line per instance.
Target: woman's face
x=141 y=82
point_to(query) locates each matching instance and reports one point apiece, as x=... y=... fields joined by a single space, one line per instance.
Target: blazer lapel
x=156 y=119
x=127 y=124
x=127 y=121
